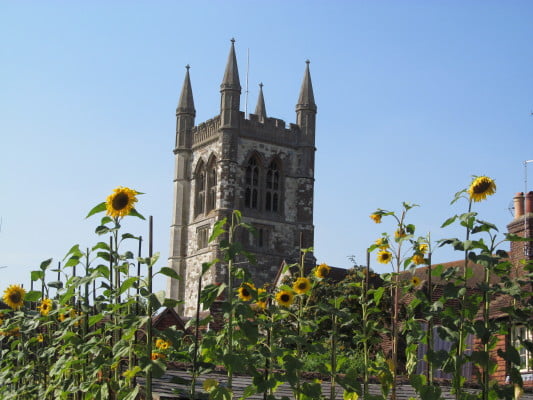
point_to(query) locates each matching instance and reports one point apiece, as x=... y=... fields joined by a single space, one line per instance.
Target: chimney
x=518 y=205
x=529 y=203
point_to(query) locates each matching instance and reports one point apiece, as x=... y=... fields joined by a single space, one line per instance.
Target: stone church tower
x=258 y=166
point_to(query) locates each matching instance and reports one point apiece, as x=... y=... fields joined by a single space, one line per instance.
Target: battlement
x=272 y=130
x=205 y=130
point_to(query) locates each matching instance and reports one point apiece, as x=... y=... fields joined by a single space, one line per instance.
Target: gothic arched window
x=211 y=185
x=199 y=191
x=272 y=192
x=251 y=191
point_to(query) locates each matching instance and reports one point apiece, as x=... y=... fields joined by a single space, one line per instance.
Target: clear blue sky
x=413 y=98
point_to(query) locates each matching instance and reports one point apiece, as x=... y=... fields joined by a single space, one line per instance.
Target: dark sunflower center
x=15 y=297
x=245 y=292
x=120 y=201
x=302 y=286
x=481 y=187
x=285 y=298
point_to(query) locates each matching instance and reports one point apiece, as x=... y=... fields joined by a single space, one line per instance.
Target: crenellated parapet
x=205 y=131
x=272 y=130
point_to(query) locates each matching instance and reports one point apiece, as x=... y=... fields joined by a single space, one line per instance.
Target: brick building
x=254 y=164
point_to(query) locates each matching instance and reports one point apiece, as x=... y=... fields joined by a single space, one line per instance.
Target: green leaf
x=170 y=273
x=218 y=229
x=33 y=295
x=127 y=284
x=36 y=275
x=207 y=265
x=55 y=284
x=135 y=213
x=99 y=208
x=94 y=319
x=102 y=230
x=171 y=303
x=449 y=221
x=45 y=264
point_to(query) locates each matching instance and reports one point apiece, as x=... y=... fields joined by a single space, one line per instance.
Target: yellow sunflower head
x=210 y=385
x=162 y=344
x=40 y=338
x=301 y=285
x=322 y=271
x=423 y=248
x=14 y=296
x=417 y=259
x=120 y=202
x=384 y=257
x=261 y=303
x=157 y=356
x=415 y=281
x=45 y=307
x=376 y=218
x=481 y=187
x=399 y=233
x=284 y=298
x=382 y=243
x=245 y=291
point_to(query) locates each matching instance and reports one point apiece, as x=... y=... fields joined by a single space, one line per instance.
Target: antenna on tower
x=246 y=91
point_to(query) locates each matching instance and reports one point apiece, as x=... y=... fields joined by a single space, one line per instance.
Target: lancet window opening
x=272 y=192
x=211 y=185
x=205 y=193
x=251 y=192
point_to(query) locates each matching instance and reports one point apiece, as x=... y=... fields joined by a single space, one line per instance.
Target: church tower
x=256 y=165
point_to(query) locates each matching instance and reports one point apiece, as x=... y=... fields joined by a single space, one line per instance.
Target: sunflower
x=245 y=291
x=285 y=298
x=481 y=187
x=45 y=306
x=162 y=344
x=322 y=271
x=261 y=303
x=423 y=248
x=156 y=356
x=376 y=218
x=210 y=385
x=384 y=256
x=382 y=243
x=14 y=296
x=120 y=202
x=415 y=281
x=400 y=233
x=40 y=338
x=417 y=259
x=301 y=285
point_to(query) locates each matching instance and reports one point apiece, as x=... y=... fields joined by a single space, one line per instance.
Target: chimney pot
x=529 y=203
x=518 y=205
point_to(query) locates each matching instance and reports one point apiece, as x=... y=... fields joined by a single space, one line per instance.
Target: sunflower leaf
x=134 y=213
x=34 y=295
x=169 y=272
x=36 y=275
x=99 y=208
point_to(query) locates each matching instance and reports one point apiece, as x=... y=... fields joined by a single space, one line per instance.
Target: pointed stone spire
x=230 y=92
x=306 y=100
x=231 y=74
x=186 y=102
x=260 y=109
